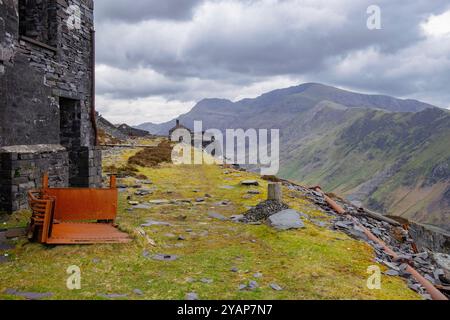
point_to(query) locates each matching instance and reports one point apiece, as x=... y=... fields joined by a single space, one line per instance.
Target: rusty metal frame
x=75 y=215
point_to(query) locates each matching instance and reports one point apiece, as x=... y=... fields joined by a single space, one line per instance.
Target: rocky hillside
x=189 y=244
x=389 y=154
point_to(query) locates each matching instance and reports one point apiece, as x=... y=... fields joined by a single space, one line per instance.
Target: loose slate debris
x=3 y=259
x=227 y=187
x=138 y=292
x=28 y=295
x=113 y=296
x=192 y=296
x=250 y=183
x=151 y=223
x=143 y=192
x=159 y=202
x=242 y=287
x=251 y=286
x=207 y=281
x=6 y=246
x=237 y=218
x=392 y=273
x=422 y=262
x=217 y=216
x=264 y=210
x=319 y=223
x=443 y=263
x=15 y=233
x=142 y=207
x=275 y=287
x=286 y=220
x=164 y=257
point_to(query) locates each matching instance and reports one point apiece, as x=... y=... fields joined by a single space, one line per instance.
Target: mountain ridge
x=386 y=153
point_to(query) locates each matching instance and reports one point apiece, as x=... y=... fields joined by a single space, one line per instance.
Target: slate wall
x=45 y=95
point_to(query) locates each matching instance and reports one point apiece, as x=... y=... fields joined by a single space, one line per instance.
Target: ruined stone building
x=47 y=106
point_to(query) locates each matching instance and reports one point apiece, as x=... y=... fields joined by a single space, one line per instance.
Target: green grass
x=314 y=263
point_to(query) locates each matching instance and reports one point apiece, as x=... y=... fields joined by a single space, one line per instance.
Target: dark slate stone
x=253 y=285
x=242 y=287
x=150 y=223
x=4 y=246
x=15 y=233
x=113 y=296
x=138 y=292
x=250 y=183
x=28 y=295
x=192 y=296
x=207 y=281
x=217 y=216
x=276 y=287
x=343 y=224
x=392 y=273
x=164 y=257
x=3 y=259
x=227 y=187
x=286 y=220
x=237 y=218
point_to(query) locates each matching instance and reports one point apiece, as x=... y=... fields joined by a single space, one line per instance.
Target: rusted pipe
x=93 y=112
x=431 y=289
x=333 y=204
x=380 y=217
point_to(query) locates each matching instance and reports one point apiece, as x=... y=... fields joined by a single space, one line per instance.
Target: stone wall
x=22 y=169
x=430 y=238
x=85 y=167
x=46 y=74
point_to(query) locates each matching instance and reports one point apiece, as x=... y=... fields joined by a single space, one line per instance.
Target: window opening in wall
x=38 y=21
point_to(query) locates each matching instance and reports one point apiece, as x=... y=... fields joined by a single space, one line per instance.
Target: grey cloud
x=138 y=10
x=194 y=48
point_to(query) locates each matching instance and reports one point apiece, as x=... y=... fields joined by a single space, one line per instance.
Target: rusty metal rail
x=431 y=289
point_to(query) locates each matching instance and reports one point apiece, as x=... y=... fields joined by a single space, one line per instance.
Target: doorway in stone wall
x=70 y=138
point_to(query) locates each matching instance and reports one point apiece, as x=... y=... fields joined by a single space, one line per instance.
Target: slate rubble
x=422 y=262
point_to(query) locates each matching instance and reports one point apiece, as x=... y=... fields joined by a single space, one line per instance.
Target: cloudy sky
x=157 y=58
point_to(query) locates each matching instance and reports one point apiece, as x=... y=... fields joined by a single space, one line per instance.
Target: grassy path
x=314 y=263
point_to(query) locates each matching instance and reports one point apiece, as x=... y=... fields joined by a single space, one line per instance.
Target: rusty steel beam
x=431 y=289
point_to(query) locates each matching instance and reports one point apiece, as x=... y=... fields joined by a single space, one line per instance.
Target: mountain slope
x=389 y=154
x=394 y=163
x=221 y=113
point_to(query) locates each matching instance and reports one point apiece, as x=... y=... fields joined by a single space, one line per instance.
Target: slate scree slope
x=46 y=100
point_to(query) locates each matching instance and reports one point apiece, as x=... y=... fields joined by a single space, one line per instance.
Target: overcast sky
x=157 y=58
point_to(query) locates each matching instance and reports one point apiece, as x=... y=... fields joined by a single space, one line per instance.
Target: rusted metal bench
x=74 y=215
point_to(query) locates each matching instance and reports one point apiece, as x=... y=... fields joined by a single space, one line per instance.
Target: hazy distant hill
x=392 y=155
